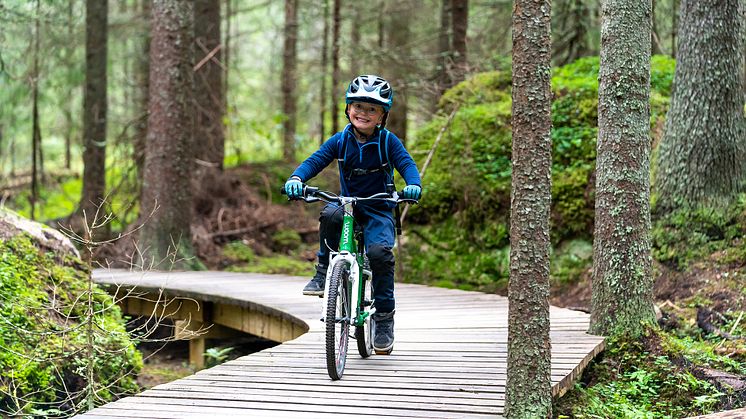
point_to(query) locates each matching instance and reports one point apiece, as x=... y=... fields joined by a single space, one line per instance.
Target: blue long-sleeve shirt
x=362 y=157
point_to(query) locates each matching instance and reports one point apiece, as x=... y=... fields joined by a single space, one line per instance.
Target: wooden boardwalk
x=449 y=359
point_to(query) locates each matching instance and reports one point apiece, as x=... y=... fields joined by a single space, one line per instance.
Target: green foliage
x=645 y=378
x=467 y=186
x=44 y=337
x=688 y=234
x=570 y=260
x=239 y=252
x=285 y=240
x=246 y=260
x=216 y=356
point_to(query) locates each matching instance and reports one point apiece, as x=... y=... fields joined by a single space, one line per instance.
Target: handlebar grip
x=283 y=191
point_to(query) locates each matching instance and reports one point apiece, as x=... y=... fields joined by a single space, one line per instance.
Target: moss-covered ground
x=59 y=349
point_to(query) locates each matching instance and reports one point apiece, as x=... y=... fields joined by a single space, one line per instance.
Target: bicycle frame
x=348 y=251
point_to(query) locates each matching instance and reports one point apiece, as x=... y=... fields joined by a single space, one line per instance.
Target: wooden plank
x=220 y=408
x=363 y=400
x=449 y=359
x=250 y=385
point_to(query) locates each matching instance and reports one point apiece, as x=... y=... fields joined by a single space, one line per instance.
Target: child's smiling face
x=365 y=116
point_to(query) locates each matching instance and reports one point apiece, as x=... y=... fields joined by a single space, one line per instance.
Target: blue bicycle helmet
x=370 y=89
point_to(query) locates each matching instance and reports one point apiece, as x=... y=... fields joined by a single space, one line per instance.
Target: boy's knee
x=381 y=257
x=331 y=215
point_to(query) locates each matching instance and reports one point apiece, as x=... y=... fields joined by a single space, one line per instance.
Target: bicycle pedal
x=383 y=352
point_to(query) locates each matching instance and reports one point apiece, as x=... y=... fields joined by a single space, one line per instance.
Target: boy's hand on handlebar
x=294 y=188
x=412 y=192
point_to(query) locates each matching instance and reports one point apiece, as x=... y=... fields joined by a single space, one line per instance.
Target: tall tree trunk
x=11 y=121
x=336 y=22
x=67 y=106
x=571 y=21
x=142 y=79
x=444 y=49
x=228 y=38
x=674 y=25
x=381 y=25
x=701 y=161
x=622 y=291
x=399 y=54
x=459 y=21
x=656 y=46
x=95 y=108
x=289 y=58
x=529 y=388
x=209 y=97
x=354 y=49
x=324 y=69
x=166 y=191
x=35 y=130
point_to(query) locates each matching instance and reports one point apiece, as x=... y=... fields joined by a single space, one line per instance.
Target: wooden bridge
x=449 y=359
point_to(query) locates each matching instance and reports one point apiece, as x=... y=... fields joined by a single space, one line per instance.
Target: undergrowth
x=657 y=376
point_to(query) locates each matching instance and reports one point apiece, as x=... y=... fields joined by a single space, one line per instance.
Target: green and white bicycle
x=348 y=294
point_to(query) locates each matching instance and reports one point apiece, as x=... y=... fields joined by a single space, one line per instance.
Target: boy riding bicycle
x=367 y=154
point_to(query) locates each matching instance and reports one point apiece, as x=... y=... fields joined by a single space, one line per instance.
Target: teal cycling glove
x=294 y=188
x=412 y=192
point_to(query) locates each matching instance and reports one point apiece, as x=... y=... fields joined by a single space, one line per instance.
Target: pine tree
x=529 y=388
x=95 y=108
x=622 y=289
x=166 y=200
x=289 y=59
x=701 y=160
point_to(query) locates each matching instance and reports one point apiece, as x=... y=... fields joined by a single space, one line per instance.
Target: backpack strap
x=342 y=155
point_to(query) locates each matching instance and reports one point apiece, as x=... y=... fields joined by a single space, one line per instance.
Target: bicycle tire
x=337 y=320
x=363 y=334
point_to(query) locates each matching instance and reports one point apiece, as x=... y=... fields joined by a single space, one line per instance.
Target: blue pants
x=378 y=230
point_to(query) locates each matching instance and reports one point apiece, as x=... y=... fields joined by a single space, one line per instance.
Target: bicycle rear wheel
x=363 y=334
x=337 y=320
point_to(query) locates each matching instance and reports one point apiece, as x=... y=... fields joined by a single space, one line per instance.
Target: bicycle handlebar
x=313 y=194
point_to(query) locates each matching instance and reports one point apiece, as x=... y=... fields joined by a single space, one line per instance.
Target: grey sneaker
x=316 y=285
x=383 y=340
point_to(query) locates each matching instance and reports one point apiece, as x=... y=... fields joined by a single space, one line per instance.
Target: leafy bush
x=467 y=187
x=44 y=335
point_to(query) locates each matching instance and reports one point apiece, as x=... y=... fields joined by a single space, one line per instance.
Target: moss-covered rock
x=58 y=330
x=464 y=215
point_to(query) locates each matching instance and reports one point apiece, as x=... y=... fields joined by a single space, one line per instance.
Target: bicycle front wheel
x=337 y=320
x=363 y=334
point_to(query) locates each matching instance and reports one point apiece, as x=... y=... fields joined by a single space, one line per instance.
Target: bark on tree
x=399 y=55
x=354 y=45
x=95 y=109
x=528 y=391
x=656 y=47
x=142 y=80
x=324 y=69
x=622 y=288
x=701 y=160
x=336 y=22
x=571 y=22
x=35 y=130
x=445 y=55
x=289 y=64
x=209 y=97
x=165 y=236
x=674 y=26
x=67 y=106
x=459 y=21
